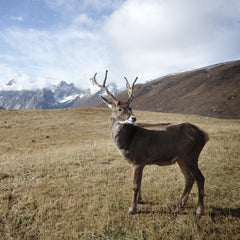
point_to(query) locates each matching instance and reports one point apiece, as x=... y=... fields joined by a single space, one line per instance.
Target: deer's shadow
x=223 y=212
x=174 y=210
x=213 y=211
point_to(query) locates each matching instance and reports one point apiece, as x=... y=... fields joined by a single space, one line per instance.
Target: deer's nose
x=133 y=118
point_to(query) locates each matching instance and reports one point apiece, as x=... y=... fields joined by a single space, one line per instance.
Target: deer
x=165 y=145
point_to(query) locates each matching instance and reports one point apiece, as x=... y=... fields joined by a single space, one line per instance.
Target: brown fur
x=181 y=143
x=160 y=144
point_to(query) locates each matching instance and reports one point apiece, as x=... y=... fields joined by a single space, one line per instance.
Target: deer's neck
x=123 y=136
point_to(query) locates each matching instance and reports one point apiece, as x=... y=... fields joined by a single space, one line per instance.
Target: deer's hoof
x=180 y=204
x=132 y=211
x=200 y=211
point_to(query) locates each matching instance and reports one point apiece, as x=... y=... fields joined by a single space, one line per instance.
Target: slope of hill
x=212 y=91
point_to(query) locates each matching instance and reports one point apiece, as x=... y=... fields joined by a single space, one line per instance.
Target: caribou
x=163 y=145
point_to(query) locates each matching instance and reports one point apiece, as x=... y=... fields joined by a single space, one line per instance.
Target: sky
x=43 y=42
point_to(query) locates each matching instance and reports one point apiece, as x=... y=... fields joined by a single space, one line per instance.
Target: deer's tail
x=204 y=135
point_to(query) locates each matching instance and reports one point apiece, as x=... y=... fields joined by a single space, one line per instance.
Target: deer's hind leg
x=139 y=198
x=189 y=180
x=200 y=183
x=191 y=173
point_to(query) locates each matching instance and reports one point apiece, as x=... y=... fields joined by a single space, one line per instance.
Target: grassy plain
x=61 y=177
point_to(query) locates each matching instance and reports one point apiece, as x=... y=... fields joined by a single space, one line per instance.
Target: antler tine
x=130 y=89
x=128 y=86
x=103 y=86
x=134 y=82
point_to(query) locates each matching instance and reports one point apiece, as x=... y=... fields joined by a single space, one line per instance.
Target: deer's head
x=121 y=111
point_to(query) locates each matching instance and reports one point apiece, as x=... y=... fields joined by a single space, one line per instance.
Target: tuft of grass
x=61 y=177
x=3 y=175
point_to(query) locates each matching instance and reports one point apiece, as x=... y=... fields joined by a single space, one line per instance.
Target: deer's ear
x=107 y=102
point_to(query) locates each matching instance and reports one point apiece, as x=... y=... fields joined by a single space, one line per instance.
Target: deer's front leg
x=137 y=178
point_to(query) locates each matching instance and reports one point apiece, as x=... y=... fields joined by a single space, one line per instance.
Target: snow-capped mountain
x=62 y=95
x=63 y=91
x=11 y=82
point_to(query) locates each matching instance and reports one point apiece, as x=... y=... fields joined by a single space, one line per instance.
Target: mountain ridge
x=62 y=95
x=212 y=91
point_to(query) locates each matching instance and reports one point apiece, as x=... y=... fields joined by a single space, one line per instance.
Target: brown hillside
x=212 y=91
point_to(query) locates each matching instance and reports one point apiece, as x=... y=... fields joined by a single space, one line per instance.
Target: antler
x=103 y=86
x=130 y=89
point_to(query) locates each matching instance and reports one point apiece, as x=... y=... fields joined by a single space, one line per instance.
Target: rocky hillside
x=212 y=91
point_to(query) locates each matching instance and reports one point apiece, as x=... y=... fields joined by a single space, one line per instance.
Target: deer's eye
x=119 y=109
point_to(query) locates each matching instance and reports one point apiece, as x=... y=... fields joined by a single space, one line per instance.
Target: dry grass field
x=61 y=177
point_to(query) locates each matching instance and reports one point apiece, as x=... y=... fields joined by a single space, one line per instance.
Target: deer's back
x=145 y=145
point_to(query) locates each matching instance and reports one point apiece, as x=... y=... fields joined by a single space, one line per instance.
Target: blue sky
x=43 y=42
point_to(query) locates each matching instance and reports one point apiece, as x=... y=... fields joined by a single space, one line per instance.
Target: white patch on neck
x=125 y=122
x=130 y=120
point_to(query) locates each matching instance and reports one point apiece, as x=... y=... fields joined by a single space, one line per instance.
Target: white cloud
x=83 y=20
x=69 y=54
x=140 y=38
x=17 y=18
x=22 y=80
x=154 y=37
